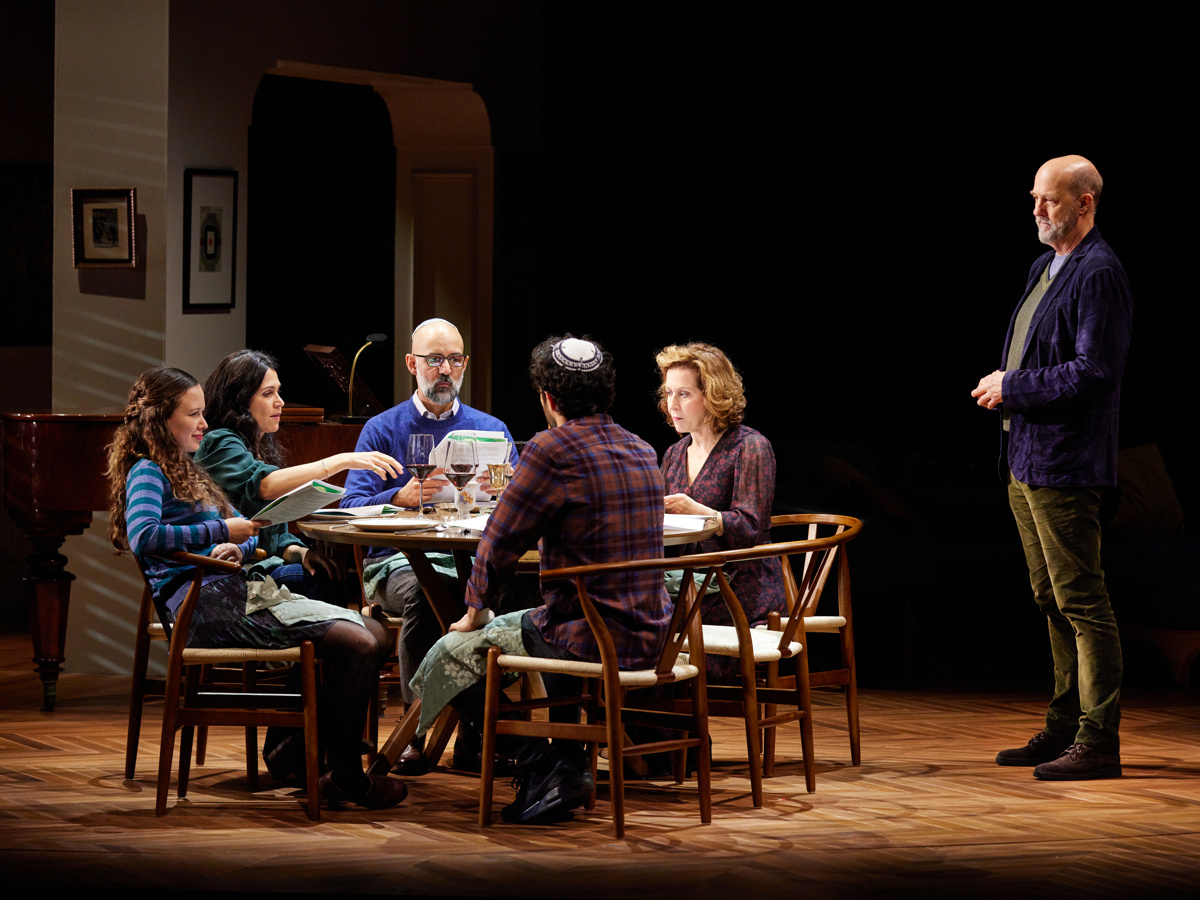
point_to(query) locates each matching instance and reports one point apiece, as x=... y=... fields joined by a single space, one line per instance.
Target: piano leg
x=48 y=592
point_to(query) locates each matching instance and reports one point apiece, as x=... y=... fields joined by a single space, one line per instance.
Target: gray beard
x=441 y=393
x=1058 y=232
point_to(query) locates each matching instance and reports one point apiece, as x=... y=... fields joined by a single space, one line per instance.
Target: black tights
x=352 y=656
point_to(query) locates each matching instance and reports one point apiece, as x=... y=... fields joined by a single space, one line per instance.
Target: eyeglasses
x=434 y=360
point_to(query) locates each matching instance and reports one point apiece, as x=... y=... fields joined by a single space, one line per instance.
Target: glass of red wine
x=460 y=470
x=420 y=448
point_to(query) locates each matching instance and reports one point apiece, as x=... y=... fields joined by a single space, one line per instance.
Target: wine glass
x=420 y=446
x=460 y=470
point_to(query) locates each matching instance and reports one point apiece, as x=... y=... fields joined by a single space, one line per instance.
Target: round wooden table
x=415 y=544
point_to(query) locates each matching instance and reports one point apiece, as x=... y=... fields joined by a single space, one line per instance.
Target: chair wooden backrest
x=820 y=553
x=804 y=595
x=684 y=618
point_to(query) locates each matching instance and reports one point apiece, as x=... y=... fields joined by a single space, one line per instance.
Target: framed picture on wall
x=102 y=228
x=209 y=240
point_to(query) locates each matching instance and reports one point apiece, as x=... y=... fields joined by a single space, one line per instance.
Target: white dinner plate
x=393 y=523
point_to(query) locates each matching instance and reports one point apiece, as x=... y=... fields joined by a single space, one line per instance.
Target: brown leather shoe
x=381 y=792
x=412 y=761
x=1040 y=749
x=1080 y=763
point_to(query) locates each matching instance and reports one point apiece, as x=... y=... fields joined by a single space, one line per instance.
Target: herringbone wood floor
x=927 y=814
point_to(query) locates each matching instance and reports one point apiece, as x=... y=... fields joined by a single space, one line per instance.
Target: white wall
x=133 y=111
x=215 y=67
x=110 y=130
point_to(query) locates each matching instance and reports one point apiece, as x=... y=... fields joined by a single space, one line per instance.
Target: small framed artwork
x=102 y=228
x=209 y=240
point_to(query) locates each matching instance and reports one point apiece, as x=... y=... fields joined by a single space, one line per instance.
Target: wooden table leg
x=401 y=736
x=447 y=607
x=404 y=732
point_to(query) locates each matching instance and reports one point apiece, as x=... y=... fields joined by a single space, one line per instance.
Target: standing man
x=585 y=491
x=438 y=361
x=1059 y=392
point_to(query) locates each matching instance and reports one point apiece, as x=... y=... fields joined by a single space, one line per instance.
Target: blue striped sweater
x=158 y=523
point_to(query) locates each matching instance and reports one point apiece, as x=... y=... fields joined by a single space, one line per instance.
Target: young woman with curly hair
x=162 y=501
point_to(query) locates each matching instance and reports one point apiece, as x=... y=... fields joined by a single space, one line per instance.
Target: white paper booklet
x=299 y=502
x=490 y=447
x=674 y=522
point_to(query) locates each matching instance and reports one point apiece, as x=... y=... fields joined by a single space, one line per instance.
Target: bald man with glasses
x=438 y=361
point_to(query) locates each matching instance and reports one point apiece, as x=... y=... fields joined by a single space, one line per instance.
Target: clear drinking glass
x=420 y=447
x=460 y=470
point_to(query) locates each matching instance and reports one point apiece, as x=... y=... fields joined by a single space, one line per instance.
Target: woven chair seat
x=681 y=671
x=817 y=623
x=201 y=655
x=721 y=640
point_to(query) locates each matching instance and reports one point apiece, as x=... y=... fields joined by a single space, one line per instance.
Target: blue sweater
x=388 y=433
x=157 y=523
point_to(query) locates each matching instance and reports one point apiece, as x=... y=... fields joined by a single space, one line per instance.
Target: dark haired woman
x=241 y=455
x=161 y=501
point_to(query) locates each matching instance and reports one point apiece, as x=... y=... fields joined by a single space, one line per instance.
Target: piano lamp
x=372 y=338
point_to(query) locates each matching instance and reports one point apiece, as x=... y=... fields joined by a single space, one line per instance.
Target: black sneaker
x=1040 y=749
x=286 y=761
x=548 y=791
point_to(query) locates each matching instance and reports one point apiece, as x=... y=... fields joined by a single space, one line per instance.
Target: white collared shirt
x=425 y=412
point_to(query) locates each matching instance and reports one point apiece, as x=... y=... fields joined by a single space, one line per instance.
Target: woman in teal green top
x=242 y=456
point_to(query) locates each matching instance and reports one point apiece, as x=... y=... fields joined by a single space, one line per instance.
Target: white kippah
x=577 y=355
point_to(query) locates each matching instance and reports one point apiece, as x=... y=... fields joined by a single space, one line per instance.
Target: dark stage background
x=852 y=224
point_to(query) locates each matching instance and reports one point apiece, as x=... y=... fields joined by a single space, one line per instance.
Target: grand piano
x=54 y=478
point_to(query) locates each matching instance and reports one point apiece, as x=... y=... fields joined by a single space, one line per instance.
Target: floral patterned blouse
x=737 y=480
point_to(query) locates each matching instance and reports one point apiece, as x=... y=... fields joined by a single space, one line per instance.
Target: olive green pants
x=1060 y=532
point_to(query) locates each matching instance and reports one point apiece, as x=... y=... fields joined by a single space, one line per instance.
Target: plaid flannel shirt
x=592 y=493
